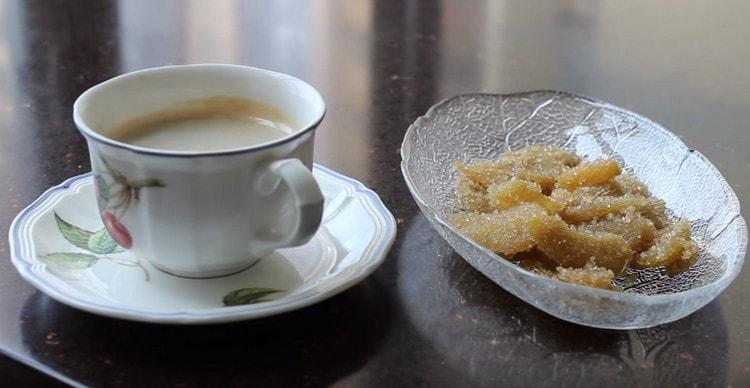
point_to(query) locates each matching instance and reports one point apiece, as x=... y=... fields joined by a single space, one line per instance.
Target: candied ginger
x=589 y=174
x=470 y=198
x=579 y=222
x=628 y=184
x=590 y=275
x=502 y=231
x=586 y=208
x=673 y=249
x=573 y=248
x=538 y=164
x=517 y=191
x=638 y=231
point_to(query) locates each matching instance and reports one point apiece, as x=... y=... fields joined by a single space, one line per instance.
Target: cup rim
x=91 y=134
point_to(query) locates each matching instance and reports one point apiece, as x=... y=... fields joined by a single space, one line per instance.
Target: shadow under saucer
x=317 y=345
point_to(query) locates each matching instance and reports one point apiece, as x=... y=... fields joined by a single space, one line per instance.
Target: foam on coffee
x=207 y=124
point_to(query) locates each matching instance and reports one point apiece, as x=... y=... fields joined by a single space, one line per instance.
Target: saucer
x=58 y=244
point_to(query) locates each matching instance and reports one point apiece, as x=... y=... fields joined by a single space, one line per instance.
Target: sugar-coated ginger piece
x=688 y=258
x=673 y=249
x=572 y=248
x=589 y=174
x=590 y=275
x=542 y=164
x=618 y=186
x=584 y=209
x=544 y=179
x=628 y=184
x=470 y=198
x=483 y=174
x=580 y=195
x=541 y=157
x=638 y=231
x=534 y=260
x=539 y=164
x=502 y=231
x=517 y=191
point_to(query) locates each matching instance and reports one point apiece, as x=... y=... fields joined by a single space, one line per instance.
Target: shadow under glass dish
x=477 y=127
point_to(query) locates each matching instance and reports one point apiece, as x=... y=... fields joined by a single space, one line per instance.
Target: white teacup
x=206 y=213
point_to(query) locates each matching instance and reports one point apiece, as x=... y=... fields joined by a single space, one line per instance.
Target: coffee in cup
x=204 y=169
x=207 y=124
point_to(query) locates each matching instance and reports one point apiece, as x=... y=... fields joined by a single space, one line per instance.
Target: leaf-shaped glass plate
x=478 y=127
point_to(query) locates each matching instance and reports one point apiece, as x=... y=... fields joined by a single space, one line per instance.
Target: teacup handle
x=308 y=207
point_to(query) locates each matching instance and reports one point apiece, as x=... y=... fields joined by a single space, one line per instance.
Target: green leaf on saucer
x=75 y=235
x=71 y=260
x=101 y=242
x=248 y=296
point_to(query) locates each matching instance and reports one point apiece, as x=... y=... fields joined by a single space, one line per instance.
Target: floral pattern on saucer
x=96 y=244
x=60 y=246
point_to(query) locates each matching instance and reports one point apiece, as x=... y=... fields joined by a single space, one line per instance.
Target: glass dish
x=478 y=127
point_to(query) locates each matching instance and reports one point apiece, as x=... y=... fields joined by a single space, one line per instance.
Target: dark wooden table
x=425 y=318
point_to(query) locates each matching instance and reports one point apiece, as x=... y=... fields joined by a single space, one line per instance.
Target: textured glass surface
x=478 y=127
